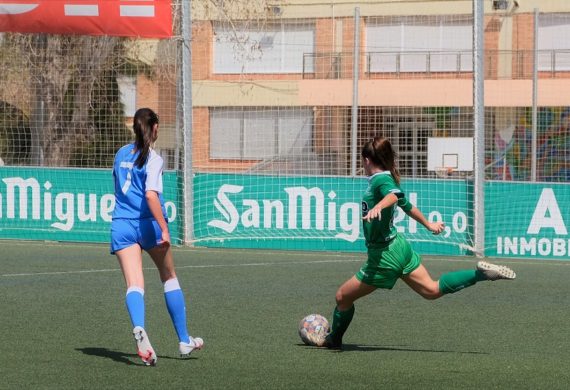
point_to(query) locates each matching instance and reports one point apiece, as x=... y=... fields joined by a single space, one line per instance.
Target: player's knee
x=340 y=298
x=430 y=296
x=431 y=292
x=166 y=274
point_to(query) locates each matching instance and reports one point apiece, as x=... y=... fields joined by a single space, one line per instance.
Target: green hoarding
x=318 y=213
x=68 y=204
x=527 y=220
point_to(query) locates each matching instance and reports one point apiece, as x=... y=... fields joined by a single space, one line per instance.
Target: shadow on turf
x=121 y=357
x=371 y=348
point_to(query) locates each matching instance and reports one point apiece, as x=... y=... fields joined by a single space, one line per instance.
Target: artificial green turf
x=64 y=324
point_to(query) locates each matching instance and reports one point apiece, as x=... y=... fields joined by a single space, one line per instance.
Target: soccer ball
x=313 y=329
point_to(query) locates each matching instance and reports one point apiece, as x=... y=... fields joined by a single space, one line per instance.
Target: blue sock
x=135 y=305
x=176 y=308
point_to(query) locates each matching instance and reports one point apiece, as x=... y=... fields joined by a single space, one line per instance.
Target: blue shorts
x=127 y=232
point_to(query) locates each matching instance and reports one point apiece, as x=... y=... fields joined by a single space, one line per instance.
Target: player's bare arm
x=156 y=210
x=388 y=201
x=434 y=227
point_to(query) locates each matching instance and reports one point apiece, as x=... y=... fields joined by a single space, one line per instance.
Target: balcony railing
x=425 y=62
x=499 y=64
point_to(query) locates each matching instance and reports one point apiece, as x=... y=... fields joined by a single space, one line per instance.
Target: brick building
x=279 y=87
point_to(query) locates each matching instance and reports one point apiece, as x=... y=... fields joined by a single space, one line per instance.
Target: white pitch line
x=91 y=271
x=268 y=264
x=293 y=253
x=347 y=259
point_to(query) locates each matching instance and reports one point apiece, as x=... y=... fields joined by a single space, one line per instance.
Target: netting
x=279 y=115
x=66 y=106
x=276 y=115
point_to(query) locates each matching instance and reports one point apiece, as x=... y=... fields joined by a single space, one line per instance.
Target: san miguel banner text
x=133 y=18
x=318 y=213
x=68 y=204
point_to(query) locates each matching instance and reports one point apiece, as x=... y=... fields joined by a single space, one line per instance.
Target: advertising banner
x=132 y=18
x=527 y=220
x=318 y=213
x=523 y=220
x=68 y=204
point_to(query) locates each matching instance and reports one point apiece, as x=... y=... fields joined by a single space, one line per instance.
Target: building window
x=419 y=44
x=272 y=48
x=553 y=48
x=257 y=134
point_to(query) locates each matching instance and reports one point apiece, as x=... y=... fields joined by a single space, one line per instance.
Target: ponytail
x=143 y=124
x=379 y=150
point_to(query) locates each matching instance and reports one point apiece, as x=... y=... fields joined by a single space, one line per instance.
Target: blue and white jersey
x=131 y=183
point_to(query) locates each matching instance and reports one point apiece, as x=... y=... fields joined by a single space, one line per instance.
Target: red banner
x=132 y=18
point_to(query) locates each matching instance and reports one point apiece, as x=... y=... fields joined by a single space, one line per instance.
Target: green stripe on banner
x=527 y=220
x=317 y=213
x=68 y=204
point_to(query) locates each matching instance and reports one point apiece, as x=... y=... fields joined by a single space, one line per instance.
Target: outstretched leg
x=422 y=283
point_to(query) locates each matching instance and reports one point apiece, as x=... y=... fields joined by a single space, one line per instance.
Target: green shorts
x=386 y=265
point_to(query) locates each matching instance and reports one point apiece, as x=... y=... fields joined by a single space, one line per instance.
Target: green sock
x=458 y=280
x=341 y=321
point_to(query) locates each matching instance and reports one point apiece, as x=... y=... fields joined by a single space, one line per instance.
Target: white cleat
x=144 y=349
x=496 y=272
x=187 y=348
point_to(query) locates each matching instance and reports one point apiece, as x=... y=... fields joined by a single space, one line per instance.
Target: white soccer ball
x=313 y=329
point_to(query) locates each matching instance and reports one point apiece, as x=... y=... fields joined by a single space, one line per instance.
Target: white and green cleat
x=495 y=272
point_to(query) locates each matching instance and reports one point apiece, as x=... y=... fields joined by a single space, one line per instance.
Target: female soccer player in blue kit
x=390 y=256
x=139 y=223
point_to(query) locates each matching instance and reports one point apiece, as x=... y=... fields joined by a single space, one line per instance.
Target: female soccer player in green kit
x=390 y=256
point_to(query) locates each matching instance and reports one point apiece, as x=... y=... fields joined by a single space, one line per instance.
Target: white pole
x=479 y=128
x=186 y=85
x=534 y=99
x=355 y=78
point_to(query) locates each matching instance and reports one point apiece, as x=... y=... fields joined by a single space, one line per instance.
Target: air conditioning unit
x=500 y=5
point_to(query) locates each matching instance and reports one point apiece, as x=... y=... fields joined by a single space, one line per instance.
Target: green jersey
x=380 y=231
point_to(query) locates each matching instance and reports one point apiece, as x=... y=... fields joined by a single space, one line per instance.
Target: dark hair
x=379 y=150
x=143 y=123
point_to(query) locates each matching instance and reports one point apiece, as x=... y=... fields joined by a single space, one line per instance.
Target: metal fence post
x=355 y=79
x=534 y=98
x=479 y=128
x=186 y=85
